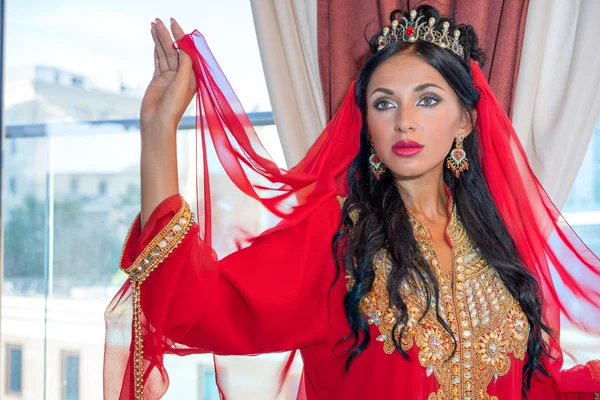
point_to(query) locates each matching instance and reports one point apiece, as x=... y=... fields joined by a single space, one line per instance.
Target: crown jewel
x=418 y=29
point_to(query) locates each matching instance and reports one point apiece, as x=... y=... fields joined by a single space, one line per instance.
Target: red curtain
x=344 y=25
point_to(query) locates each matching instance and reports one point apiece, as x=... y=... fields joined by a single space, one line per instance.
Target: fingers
x=176 y=29
x=156 y=63
x=185 y=62
x=167 y=45
x=160 y=58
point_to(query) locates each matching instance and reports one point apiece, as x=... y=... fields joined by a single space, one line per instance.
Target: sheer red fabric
x=567 y=270
x=192 y=288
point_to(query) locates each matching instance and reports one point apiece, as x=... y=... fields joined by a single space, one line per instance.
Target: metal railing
x=264 y=118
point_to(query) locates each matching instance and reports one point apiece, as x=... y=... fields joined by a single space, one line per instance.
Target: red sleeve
x=581 y=382
x=271 y=296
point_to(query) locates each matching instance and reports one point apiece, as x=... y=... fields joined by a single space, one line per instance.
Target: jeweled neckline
x=422 y=233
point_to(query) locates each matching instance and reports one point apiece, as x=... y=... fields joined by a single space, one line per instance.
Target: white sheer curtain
x=287 y=37
x=557 y=99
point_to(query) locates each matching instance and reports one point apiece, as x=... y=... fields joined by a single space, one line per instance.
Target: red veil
x=568 y=272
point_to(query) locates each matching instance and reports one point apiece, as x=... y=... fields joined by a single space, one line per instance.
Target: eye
x=429 y=101
x=383 y=104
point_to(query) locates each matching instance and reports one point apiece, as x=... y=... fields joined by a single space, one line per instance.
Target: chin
x=414 y=170
x=408 y=174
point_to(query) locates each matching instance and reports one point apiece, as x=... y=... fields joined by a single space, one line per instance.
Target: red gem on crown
x=410 y=30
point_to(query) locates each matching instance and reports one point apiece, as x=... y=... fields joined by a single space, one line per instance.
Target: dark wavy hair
x=383 y=214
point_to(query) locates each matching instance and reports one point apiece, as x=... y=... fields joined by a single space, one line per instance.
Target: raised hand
x=166 y=99
x=173 y=85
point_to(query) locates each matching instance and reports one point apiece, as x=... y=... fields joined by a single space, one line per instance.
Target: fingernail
x=172 y=20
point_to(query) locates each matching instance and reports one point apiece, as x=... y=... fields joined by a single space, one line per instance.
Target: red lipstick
x=407 y=148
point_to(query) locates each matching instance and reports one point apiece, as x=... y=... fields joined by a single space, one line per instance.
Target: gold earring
x=457 y=160
x=376 y=166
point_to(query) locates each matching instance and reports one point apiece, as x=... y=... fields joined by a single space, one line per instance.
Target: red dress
x=276 y=295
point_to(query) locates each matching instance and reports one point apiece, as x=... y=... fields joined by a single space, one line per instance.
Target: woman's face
x=408 y=100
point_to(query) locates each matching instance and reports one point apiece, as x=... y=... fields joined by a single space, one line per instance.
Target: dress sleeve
x=581 y=382
x=271 y=296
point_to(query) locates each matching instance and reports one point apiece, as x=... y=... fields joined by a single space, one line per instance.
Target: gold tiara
x=418 y=29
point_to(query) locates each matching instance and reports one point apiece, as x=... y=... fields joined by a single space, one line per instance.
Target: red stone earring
x=376 y=166
x=457 y=160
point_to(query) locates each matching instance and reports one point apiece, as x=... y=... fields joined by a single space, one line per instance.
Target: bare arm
x=169 y=93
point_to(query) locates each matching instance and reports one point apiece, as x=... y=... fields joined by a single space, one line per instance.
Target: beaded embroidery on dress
x=486 y=320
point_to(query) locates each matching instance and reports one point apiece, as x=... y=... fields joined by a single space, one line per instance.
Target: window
x=208 y=389
x=582 y=212
x=61 y=251
x=74 y=185
x=102 y=187
x=14 y=369
x=77 y=81
x=70 y=375
x=13 y=185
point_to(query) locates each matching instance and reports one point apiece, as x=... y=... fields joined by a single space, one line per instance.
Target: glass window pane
x=585 y=193
x=582 y=212
x=71 y=377
x=15 y=370
x=210 y=392
x=71 y=170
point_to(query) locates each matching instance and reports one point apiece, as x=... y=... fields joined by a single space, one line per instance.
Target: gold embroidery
x=155 y=253
x=353 y=212
x=486 y=320
x=138 y=351
x=595 y=370
x=162 y=245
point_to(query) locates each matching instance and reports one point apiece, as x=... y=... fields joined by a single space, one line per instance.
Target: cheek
x=440 y=140
x=381 y=126
x=442 y=129
x=444 y=146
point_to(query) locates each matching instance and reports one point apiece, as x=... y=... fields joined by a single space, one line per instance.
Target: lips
x=404 y=144
x=407 y=148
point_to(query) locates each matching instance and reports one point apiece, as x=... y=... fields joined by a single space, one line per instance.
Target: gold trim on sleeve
x=162 y=245
x=138 y=351
x=595 y=370
x=155 y=253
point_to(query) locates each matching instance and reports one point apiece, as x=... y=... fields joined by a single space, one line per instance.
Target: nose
x=405 y=121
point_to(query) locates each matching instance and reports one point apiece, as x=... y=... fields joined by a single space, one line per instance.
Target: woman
x=412 y=265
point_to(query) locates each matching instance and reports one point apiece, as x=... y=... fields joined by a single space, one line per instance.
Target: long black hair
x=383 y=214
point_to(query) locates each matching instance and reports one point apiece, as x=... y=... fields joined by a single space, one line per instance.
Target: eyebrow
x=418 y=88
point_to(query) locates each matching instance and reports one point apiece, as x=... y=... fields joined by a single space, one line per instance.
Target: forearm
x=159 y=178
